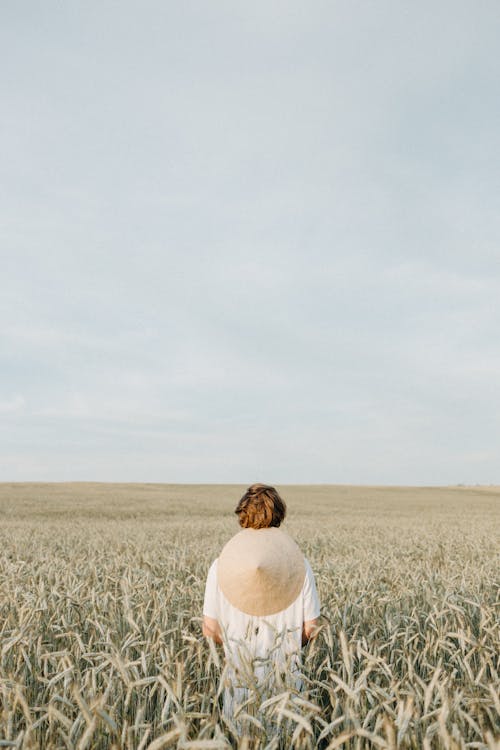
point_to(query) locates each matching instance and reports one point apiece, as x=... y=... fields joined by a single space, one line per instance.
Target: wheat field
x=101 y=590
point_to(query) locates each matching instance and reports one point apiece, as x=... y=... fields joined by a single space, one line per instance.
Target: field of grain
x=101 y=590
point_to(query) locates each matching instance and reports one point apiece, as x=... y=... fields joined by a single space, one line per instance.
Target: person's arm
x=211 y=629
x=311 y=606
x=210 y=626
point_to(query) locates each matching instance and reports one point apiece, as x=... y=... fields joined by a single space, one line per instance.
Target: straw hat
x=261 y=571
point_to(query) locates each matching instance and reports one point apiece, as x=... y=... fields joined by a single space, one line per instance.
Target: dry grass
x=101 y=589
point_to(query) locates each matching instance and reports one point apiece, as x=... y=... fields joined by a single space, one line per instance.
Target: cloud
x=12 y=405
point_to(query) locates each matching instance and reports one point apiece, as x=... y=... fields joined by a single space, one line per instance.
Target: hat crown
x=261 y=571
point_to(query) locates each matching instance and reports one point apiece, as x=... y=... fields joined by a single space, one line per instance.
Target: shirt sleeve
x=311 y=599
x=210 y=601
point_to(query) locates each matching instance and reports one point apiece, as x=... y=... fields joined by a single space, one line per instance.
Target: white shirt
x=253 y=640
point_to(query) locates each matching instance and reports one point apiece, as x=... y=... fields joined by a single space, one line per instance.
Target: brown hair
x=260 y=507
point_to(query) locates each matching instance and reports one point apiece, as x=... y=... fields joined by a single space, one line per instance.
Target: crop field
x=101 y=591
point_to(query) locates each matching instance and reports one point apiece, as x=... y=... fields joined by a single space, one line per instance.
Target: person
x=260 y=603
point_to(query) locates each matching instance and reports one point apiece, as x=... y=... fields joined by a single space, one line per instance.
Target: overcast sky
x=250 y=241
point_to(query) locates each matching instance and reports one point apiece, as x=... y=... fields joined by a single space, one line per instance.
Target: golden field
x=101 y=590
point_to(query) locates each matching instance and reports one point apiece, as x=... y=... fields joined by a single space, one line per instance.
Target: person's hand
x=309 y=630
x=211 y=629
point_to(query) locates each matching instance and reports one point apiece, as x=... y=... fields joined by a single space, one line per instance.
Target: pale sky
x=250 y=241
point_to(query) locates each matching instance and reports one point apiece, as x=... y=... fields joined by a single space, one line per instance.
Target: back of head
x=261 y=507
